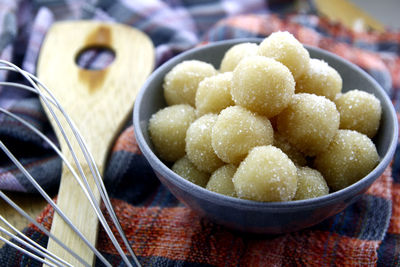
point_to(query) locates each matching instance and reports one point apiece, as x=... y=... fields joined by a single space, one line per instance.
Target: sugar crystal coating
x=262 y=85
x=293 y=153
x=310 y=184
x=214 y=94
x=348 y=158
x=359 y=111
x=198 y=144
x=309 y=123
x=261 y=80
x=221 y=181
x=185 y=168
x=180 y=84
x=285 y=48
x=320 y=79
x=235 y=54
x=167 y=129
x=238 y=130
x=266 y=174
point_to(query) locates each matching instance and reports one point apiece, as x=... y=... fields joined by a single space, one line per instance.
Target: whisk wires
x=40 y=253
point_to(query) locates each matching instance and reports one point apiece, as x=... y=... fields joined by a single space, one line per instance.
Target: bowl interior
x=150 y=99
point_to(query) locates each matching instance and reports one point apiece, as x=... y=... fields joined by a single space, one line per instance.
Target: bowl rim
x=293 y=205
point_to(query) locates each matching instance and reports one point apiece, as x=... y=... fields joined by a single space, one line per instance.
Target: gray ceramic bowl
x=252 y=216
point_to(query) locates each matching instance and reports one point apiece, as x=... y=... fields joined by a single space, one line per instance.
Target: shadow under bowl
x=252 y=216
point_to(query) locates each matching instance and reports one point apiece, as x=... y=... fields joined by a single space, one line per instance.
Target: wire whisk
x=20 y=241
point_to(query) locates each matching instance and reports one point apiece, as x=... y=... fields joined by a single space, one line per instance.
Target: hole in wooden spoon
x=95 y=57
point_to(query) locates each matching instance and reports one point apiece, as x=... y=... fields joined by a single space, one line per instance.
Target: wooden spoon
x=98 y=101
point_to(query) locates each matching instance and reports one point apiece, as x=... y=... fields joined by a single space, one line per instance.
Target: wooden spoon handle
x=98 y=101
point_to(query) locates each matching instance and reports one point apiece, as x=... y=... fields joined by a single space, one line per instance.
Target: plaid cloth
x=161 y=230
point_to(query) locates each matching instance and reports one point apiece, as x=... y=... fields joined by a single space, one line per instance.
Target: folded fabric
x=161 y=230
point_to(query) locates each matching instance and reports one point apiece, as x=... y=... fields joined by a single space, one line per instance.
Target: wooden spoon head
x=99 y=101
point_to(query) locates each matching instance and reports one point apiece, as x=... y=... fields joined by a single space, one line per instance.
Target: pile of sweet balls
x=270 y=125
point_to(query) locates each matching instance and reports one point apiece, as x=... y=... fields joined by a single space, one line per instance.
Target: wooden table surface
x=349 y=14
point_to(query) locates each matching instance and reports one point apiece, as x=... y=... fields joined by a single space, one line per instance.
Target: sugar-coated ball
x=285 y=48
x=238 y=130
x=198 y=144
x=359 y=111
x=266 y=174
x=309 y=123
x=262 y=85
x=348 y=158
x=186 y=169
x=293 y=153
x=320 y=79
x=221 y=180
x=310 y=184
x=235 y=54
x=214 y=94
x=167 y=129
x=180 y=84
